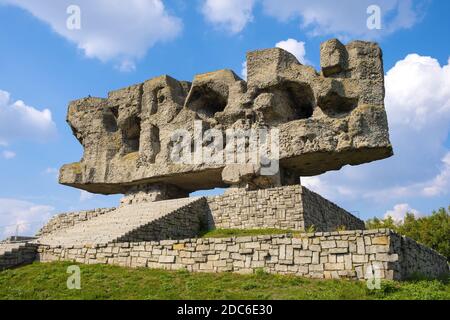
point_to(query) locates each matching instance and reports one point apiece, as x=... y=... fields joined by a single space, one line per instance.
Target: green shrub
x=432 y=231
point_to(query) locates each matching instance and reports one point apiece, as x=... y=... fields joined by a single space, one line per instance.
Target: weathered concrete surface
x=326 y=120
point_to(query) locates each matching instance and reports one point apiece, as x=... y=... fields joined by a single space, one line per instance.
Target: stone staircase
x=136 y=222
x=8 y=247
x=16 y=254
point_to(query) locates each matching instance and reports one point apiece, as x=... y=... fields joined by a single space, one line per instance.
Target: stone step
x=9 y=247
x=116 y=224
x=16 y=254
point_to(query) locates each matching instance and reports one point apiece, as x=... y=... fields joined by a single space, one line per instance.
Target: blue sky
x=45 y=65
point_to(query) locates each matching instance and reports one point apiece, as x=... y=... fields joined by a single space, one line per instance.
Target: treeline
x=432 y=231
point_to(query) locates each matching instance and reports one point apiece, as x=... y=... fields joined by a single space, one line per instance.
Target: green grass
x=48 y=281
x=226 y=233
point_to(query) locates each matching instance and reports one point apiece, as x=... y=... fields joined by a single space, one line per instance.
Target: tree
x=377 y=223
x=432 y=231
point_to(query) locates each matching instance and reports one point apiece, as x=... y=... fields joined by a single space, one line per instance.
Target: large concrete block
x=326 y=120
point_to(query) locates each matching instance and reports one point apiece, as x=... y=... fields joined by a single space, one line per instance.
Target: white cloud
x=399 y=212
x=441 y=183
x=315 y=183
x=233 y=15
x=345 y=17
x=435 y=186
x=418 y=108
x=51 y=171
x=26 y=216
x=19 y=121
x=297 y=48
x=111 y=30
x=126 y=66
x=85 y=196
x=418 y=92
x=8 y=155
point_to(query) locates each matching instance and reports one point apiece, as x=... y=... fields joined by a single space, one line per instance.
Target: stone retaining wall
x=22 y=254
x=66 y=220
x=185 y=222
x=416 y=258
x=324 y=215
x=279 y=208
x=346 y=254
x=289 y=207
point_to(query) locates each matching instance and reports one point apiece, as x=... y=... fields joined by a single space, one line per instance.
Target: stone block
x=328 y=244
x=338 y=250
x=179 y=246
x=166 y=259
x=360 y=258
x=384 y=240
x=385 y=257
x=302 y=260
x=333 y=55
x=246 y=251
x=334 y=266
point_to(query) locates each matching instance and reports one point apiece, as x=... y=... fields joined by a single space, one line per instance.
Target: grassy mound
x=48 y=281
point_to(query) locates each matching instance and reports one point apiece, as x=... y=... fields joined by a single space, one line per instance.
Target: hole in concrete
x=110 y=119
x=208 y=101
x=288 y=101
x=334 y=105
x=155 y=143
x=131 y=132
x=161 y=97
x=302 y=98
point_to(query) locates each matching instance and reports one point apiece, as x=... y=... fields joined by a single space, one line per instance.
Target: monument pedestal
x=151 y=193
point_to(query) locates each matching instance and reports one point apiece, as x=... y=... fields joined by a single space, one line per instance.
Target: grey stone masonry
x=416 y=258
x=67 y=220
x=324 y=215
x=184 y=222
x=131 y=222
x=344 y=254
x=279 y=208
x=288 y=207
x=16 y=254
